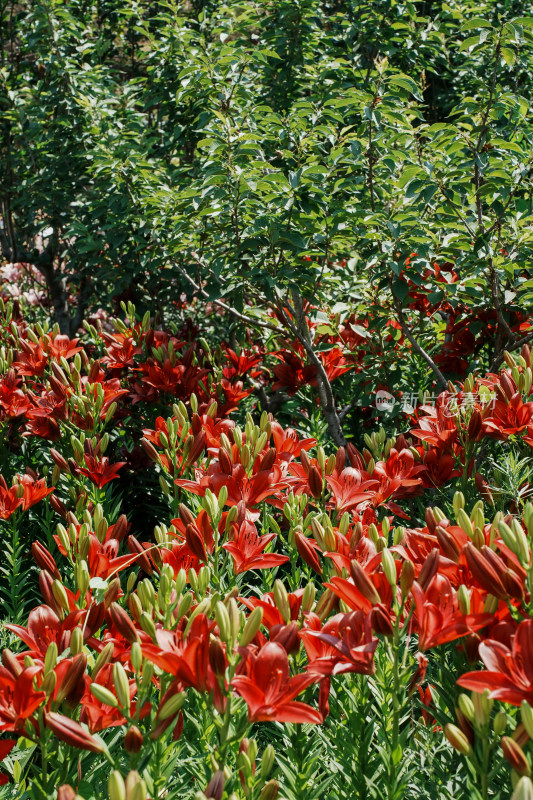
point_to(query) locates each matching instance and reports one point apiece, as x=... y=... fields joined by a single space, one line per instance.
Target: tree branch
x=325 y=392
x=418 y=347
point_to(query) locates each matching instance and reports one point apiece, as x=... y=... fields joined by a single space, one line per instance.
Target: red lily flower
x=9 y=499
x=100 y=472
x=351 y=488
x=186 y=658
x=45 y=627
x=247 y=549
x=60 y=347
x=344 y=644
x=509 y=673
x=438 y=616
x=268 y=689
x=508 y=419
x=35 y=490
x=100 y=716
x=18 y=698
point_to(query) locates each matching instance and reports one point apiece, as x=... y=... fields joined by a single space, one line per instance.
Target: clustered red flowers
x=132 y=626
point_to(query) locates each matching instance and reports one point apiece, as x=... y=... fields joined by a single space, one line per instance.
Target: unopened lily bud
x=133 y=740
x=373 y=533
x=330 y=464
x=458 y=502
x=389 y=566
x=135 y=606
x=147 y=624
x=253 y=623
x=63 y=537
x=508 y=536
x=222 y=618
x=500 y=723
x=490 y=605
x=407 y=577
x=308 y=598
x=104 y=657
x=515 y=756
x=184 y=605
x=526 y=713
x=234 y=618
x=439 y=514
x=457 y=739
x=467 y=707
x=318 y=533
x=103 y=695
x=269 y=791
x=76 y=641
x=83 y=577
x=281 y=599
x=330 y=540
x=180 y=581
x=325 y=604
x=122 y=686
x=49 y=683
x=50 y=659
x=171 y=706
x=483 y=705
x=477 y=516
x=528 y=519
x=463 y=600
x=523 y=789
x=464 y=521
x=398 y=535
x=136 y=656
x=521 y=543
x=139 y=791
x=231 y=517
x=60 y=595
x=267 y=761
x=116 y=787
x=344 y=524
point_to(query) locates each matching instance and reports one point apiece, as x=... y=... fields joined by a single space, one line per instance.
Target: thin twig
x=220 y=303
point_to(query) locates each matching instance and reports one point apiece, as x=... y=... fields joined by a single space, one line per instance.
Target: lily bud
x=60 y=595
x=526 y=713
x=133 y=740
x=222 y=618
x=389 y=566
x=122 y=686
x=407 y=577
x=76 y=641
x=523 y=789
x=458 y=502
x=253 y=623
x=308 y=598
x=104 y=695
x=281 y=599
x=50 y=659
x=483 y=705
x=463 y=520
x=500 y=723
x=463 y=599
x=171 y=706
x=515 y=756
x=267 y=761
x=457 y=739
x=467 y=707
x=104 y=657
x=270 y=791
